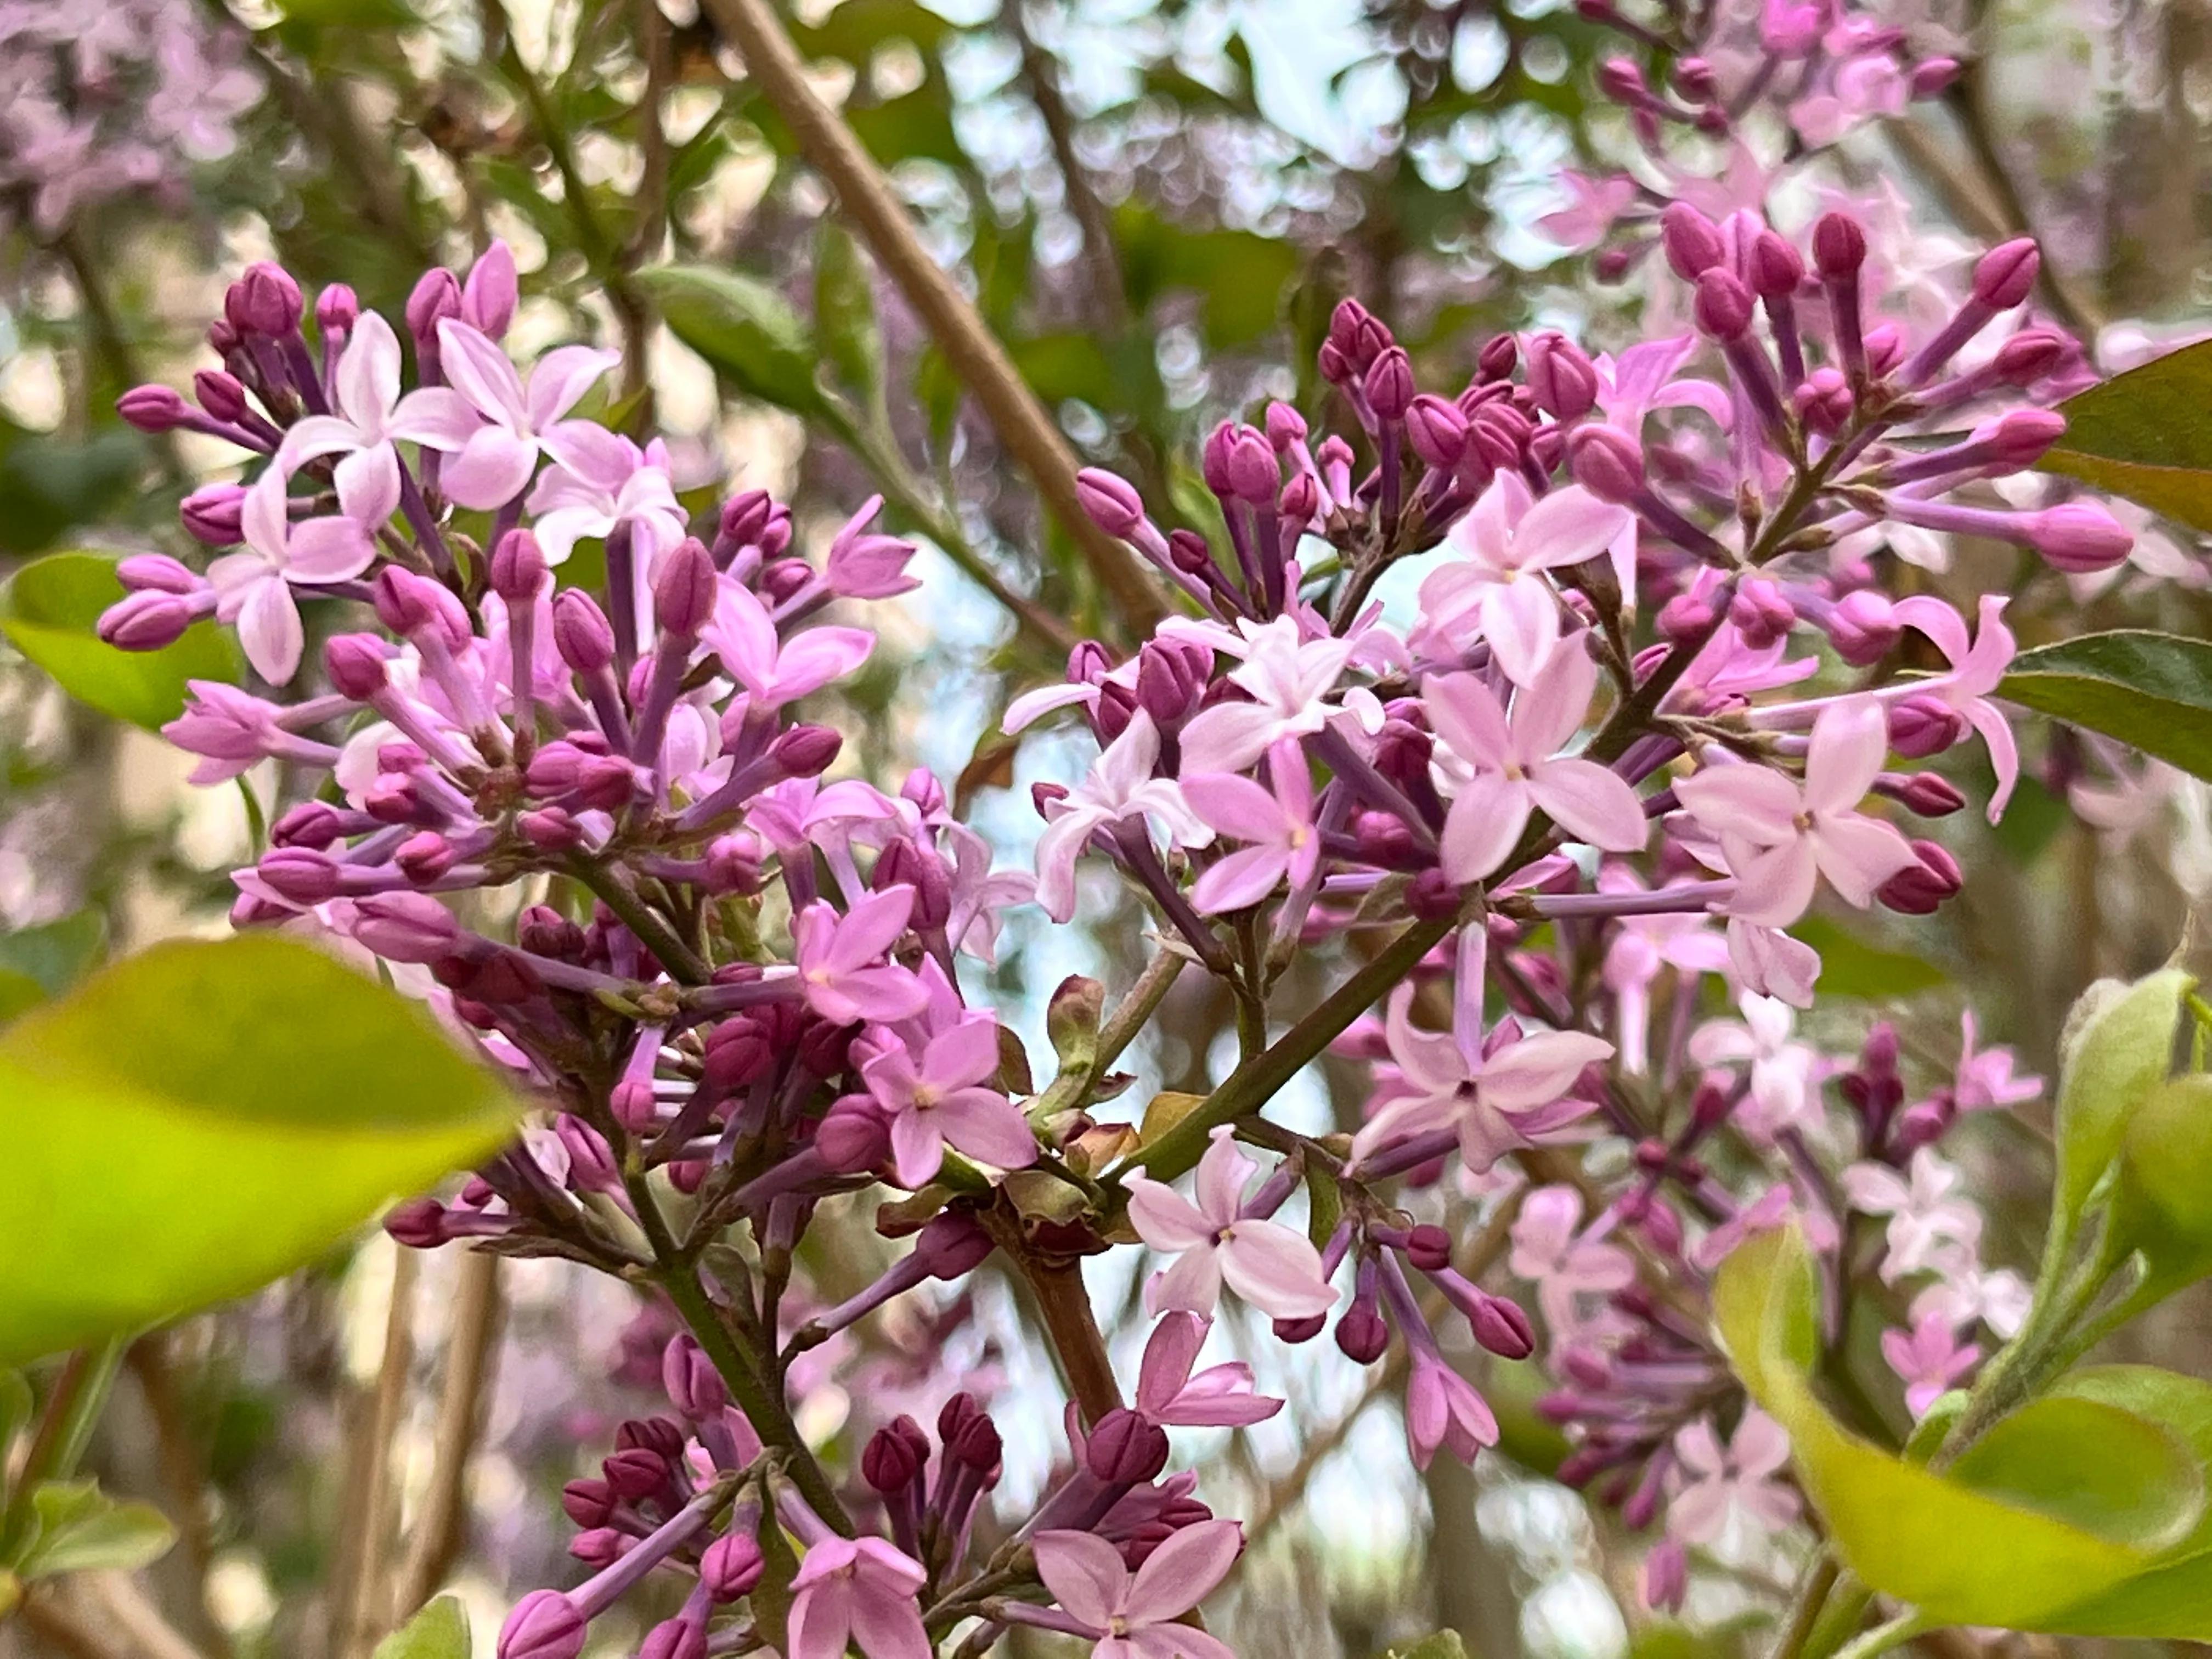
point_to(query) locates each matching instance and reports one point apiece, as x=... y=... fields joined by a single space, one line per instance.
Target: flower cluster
x=100 y=99
x=1561 y=698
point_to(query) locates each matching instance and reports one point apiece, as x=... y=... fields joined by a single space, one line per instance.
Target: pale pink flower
x=1931 y=1361
x=842 y=959
x=1513 y=767
x=600 y=479
x=1768 y=962
x=370 y=414
x=1984 y=1078
x=253 y=586
x=1444 y=1413
x=1288 y=677
x=857 y=1592
x=492 y=425
x=1133 y=1615
x=775 y=672
x=1170 y=1395
x=1923 y=1216
x=1285 y=841
x=1120 y=787
x=1271 y=1266
x=1737 y=1482
x=1592 y=205
x=1495 y=589
x=1641 y=946
x=1547 y=1253
x=1964 y=1292
x=1780 y=837
x=1976 y=672
x=942 y=1099
x=1784 y=1091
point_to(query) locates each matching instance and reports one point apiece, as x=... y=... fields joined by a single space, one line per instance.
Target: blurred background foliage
x=1154 y=207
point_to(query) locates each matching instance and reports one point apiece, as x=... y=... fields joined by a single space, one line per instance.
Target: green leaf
x=201 y=1119
x=2152 y=692
x=845 y=310
x=1933 y=1540
x=2116 y=1046
x=49 y=611
x=52 y=484
x=1849 y=967
x=743 y=327
x=441 y=1631
x=59 y=953
x=17 y=1404
x=2142 y=435
x=2162 y=1205
x=18 y=992
x=78 y=1528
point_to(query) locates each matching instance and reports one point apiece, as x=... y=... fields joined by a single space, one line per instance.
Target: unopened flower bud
x=1776 y=268
x=1389 y=384
x=1862 y=627
x=637 y=1474
x=1436 y=428
x=409 y=605
x=1431 y=896
x=853 y=1136
x=2005 y=275
x=694 y=1387
x=488 y=296
x=2080 y=537
x=1929 y=794
x=805 y=751
x=337 y=308
x=544 y=1625
x=1171 y=677
x=419 y=1224
x=1428 y=1247
x=1561 y=377
x=2029 y=356
x=437 y=296
x=1301 y=1330
x=1608 y=462
x=1249 y=465
x=1362 y=1333
x=588 y=1502
x=153 y=408
x=684 y=589
x=300 y=874
x=518 y=567
x=1501 y=1325
x=1498 y=358
x=1126 y=1450
x=406 y=927
x=1692 y=242
x=581 y=632
x=213 y=513
x=895 y=1456
x=1838 y=247
x=1761 y=613
x=1920 y=888
x=145 y=620
x=1923 y=724
x=356 y=665
x=732 y=1565
x=1723 y=305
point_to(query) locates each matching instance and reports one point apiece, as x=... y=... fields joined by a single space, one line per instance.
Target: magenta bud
x=1838 y=247
x=300 y=874
x=1362 y=1333
x=1111 y=501
x=544 y=1625
x=1284 y=426
x=1250 y=468
x=684 y=589
x=437 y=296
x=145 y=620
x=2019 y=437
x=1432 y=895
x=1300 y=501
x=1608 y=462
x=694 y=1387
x=674 y=1638
x=1561 y=377
x=270 y=299
x=952 y=1244
x=853 y=1136
x=419 y=1224
x=311 y=823
x=894 y=1457
x=1723 y=305
x=2029 y=356
x=600 y=1546
x=1346 y=322
x=425 y=857
x=1760 y=612
x=1621 y=80
x=355 y=663
x=1502 y=1326
x=732 y=1565
x=1932 y=76
x=1335 y=367
x=1171 y=677
x=1695 y=78
x=592 y=1165
x=1126 y=1450
x=745 y=518
x=1929 y=794
x=518 y=567
x=1921 y=726
x=157 y=573
x=1390 y=384
x=1436 y=427
x=1428 y=1247
x=1301 y=1330
x=1862 y=627
x=487 y=298
x=588 y=1502
x=337 y=308
x=582 y=633
x=1498 y=358
x=1664 y=1579
x=2005 y=275
x=212 y=514
x=1777 y=268
x=153 y=408
x=1692 y=242
x=1920 y=888
x=409 y=604
x=637 y=1474
x=406 y=927
x=783 y=578
x=904 y=864
x=2080 y=537
x=1885 y=348
x=805 y=751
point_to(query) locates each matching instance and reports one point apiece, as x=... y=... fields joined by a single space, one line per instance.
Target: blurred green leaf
x=2116 y=1046
x=2142 y=435
x=266 y=1101
x=59 y=953
x=1850 y=967
x=743 y=327
x=441 y=1631
x=845 y=310
x=2162 y=1205
x=1059 y=367
x=50 y=611
x=348 y=14
x=1935 y=1540
x=2152 y=692
x=76 y=1528
x=1239 y=276
x=53 y=485
x=18 y=992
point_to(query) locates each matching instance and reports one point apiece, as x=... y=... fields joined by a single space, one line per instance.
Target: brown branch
x=973 y=352
x=1102 y=262
x=101 y=1615
x=470 y=1351
x=182 y=1474
x=361 y=1610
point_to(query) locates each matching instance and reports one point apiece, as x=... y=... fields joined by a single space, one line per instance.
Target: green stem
x=1805 y=1612
x=682 y=962
x=73 y=1408
x=1884 y=1636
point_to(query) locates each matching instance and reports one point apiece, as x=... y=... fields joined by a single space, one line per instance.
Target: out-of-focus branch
x=1102 y=259
x=1964 y=99
x=471 y=1348
x=975 y=355
x=182 y=1473
x=102 y=1615
x=360 y=1609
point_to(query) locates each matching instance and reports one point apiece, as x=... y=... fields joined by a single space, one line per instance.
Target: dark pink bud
x=1723 y=305
x=1621 y=80
x=1432 y=897
x=337 y=308
x=1346 y=320
x=1390 y=384
x=783 y=578
x=903 y=864
x=1760 y=612
x=2021 y=436
x=269 y=300
x=311 y=823
x=2080 y=537
x=212 y=512
x=1428 y=1247
x=2029 y=356
x=1187 y=551
x=894 y=1457
x=805 y=751
x=299 y=873
x=1694 y=79
x=1300 y=501
x=544 y=1625
x=145 y=620
x=157 y=573
x=683 y=589
x=355 y=663
x=732 y=1565
x=588 y=1502
x=1503 y=1328
x=1922 y=726
x=600 y=1546
x=1111 y=501
x=637 y=1474
x=1126 y=1450
x=1300 y=1330
x=581 y=632
x=1213 y=460
x=406 y=927
x=744 y=517
x=1931 y=76
x=1861 y=629
x=1499 y=357
x=1374 y=340
x=423 y=857
x=518 y=567
x=1838 y=247
x=487 y=297
x=694 y=1387
x=1919 y=890
x=952 y=1244
x=1561 y=377
x=419 y=1224
x=409 y=604
x=1929 y=794
x=592 y=1164
x=1608 y=462
x=1436 y=427
x=1776 y=269
x=1335 y=367
x=1692 y=242
x=674 y=1638
x=1664 y=1578
x=1170 y=680
x=1254 y=474
x=1885 y=348
x=437 y=296
x=1286 y=427
x=153 y=408
x=2005 y=275
x=1362 y=1333
x=853 y=1136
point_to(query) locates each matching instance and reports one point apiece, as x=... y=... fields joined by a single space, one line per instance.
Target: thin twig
x=180 y=1461
x=470 y=1350
x=368 y=1520
x=975 y=355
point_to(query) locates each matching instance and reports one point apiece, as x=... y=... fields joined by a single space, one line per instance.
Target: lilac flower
x=1119 y=788
x=1513 y=767
x=939 y=1099
x=371 y=415
x=1285 y=841
x=1133 y=1615
x=775 y=672
x=1785 y=1089
x=1975 y=671
x=1495 y=590
x=1288 y=678
x=1923 y=1217
x=1931 y=1361
x=1562 y=1266
x=1738 y=1481
x=254 y=584
x=1985 y=1078
x=600 y=479
x=1444 y=1413
x=861 y=1593
x=1270 y=1266
x=840 y=959
x=1780 y=837
x=1170 y=1394
x=492 y=426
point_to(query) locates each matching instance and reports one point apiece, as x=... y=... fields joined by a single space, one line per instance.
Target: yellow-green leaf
x=49 y=611
x=2142 y=435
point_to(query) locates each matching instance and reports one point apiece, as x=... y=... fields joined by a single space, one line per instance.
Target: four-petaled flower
x=1133 y=1615
x=1739 y=1480
x=1929 y=1361
x=1495 y=590
x=1171 y=1395
x=1120 y=787
x=1785 y=1089
x=493 y=427
x=1271 y=1266
x=1975 y=671
x=371 y=413
x=1562 y=1267
x=1923 y=1218
x=1285 y=841
x=253 y=586
x=941 y=1098
x=857 y=1592
x=775 y=672
x=841 y=962
x=1288 y=677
